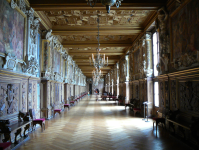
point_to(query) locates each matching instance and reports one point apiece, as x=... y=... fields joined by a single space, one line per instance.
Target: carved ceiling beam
x=40 y=5
x=86 y=60
x=84 y=53
x=90 y=72
x=92 y=67
x=75 y=45
x=105 y=32
x=94 y=27
x=87 y=63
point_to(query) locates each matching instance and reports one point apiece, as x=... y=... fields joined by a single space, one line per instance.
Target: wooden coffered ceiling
x=75 y=24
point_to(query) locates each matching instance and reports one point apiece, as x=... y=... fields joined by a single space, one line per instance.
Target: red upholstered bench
x=135 y=110
x=40 y=121
x=57 y=111
x=5 y=146
x=67 y=105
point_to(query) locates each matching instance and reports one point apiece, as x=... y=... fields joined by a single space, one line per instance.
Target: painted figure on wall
x=11 y=30
x=185 y=30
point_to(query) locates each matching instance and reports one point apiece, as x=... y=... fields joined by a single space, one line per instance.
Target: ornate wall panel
x=167 y=104
x=161 y=94
x=30 y=95
x=10 y=98
x=24 y=96
x=173 y=95
x=189 y=96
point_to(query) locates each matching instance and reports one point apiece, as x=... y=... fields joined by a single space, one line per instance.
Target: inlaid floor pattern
x=100 y=125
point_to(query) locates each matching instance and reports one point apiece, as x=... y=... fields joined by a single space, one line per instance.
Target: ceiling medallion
x=107 y=3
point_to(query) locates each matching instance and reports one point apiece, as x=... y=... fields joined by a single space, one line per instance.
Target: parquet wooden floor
x=100 y=125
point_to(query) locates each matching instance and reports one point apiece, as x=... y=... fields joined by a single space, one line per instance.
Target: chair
x=127 y=104
x=158 y=119
x=121 y=99
x=57 y=111
x=35 y=121
x=71 y=101
x=136 y=104
x=67 y=105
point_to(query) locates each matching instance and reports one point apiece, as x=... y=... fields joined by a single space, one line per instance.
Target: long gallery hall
x=99 y=74
x=100 y=125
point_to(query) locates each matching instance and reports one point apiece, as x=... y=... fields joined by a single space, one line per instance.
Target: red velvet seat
x=57 y=111
x=40 y=121
x=135 y=110
x=67 y=105
x=5 y=146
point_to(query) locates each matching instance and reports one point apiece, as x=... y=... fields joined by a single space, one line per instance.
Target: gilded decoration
x=94 y=38
x=89 y=17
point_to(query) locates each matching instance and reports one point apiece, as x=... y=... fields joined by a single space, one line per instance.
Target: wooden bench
x=15 y=129
x=184 y=125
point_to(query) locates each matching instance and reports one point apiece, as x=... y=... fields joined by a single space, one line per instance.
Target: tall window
x=155 y=52
x=156 y=94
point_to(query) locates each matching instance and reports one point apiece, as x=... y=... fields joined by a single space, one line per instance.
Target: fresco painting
x=185 y=30
x=57 y=58
x=11 y=30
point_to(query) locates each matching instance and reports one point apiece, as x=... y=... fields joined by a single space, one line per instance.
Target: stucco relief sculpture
x=3 y=96
x=164 y=40
x=34 y=26
x=11 y=62
x=31 y=66
x=11 y=96
x=19 y=3
x=48 y=35
x=58 y=77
